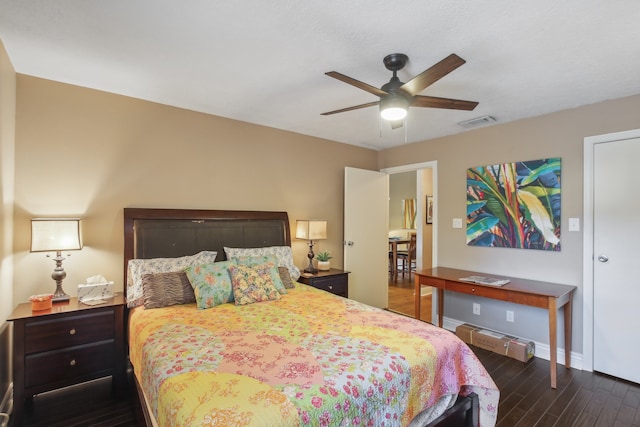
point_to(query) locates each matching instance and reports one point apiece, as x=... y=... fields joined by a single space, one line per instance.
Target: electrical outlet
x=457 y=223
x=476 y=308
x=510 y=316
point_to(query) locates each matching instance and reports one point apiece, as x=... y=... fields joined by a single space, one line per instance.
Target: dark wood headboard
x=168 y=233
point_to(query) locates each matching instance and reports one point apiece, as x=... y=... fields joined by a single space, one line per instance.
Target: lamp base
x=310 y=268
x=58 y=275
x=60 y=296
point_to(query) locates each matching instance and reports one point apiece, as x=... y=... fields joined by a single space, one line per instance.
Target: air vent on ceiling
x=478 y=121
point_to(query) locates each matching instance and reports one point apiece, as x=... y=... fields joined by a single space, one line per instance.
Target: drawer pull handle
x=72 y=331
x=473 y=289
x=73 y=362
x=330 y=287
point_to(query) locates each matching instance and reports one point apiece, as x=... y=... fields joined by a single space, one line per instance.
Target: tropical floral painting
x=515 y=205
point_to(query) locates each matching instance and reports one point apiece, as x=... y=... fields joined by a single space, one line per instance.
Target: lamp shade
x=55 y=234
x=310 y=229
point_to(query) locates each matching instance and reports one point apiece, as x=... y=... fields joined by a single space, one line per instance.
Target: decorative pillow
x=165 y=289
x=268 y=261
x=139 y=267
x=282 y=253
x=211 y=283
x=286 y=277
x=252 y=284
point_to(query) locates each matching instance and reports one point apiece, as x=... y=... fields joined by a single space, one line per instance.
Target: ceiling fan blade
x=395 y=124
x=360 y=85
x=448 y=103
x=355 y=107
x=433 y=74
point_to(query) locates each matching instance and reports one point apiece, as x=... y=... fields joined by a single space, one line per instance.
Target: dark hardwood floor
x=582 y=398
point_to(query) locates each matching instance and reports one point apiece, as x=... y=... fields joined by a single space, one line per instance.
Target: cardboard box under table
x=505 y=345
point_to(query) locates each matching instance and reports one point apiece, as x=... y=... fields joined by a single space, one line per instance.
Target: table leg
x=416 y=293
x=440 y=305
x=567 y=332
x=553 y=339
x=394 y=257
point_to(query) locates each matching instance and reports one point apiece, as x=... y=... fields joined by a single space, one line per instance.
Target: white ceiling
x=263 y=61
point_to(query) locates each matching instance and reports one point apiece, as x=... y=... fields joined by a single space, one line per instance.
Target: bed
x=296 y=356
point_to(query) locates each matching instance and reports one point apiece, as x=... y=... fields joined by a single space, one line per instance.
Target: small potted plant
x=323 y=260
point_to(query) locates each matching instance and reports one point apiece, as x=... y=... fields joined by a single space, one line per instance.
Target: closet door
x=616 y=249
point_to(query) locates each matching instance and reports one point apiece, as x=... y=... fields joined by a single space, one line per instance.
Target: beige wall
x=81 y=152
x=554 y=135
x=7 y=150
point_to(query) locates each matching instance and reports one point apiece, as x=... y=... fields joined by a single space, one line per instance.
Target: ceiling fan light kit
x=394 y=107
x=396 y=96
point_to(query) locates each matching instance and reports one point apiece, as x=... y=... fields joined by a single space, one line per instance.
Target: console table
x=545 y=295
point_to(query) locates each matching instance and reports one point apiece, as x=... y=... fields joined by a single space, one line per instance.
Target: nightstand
x=334 y=281
x=65 y=345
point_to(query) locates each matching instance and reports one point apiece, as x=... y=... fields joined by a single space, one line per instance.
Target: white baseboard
x=542 y=350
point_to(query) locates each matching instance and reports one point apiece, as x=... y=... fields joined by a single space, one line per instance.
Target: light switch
x=457 y=223
x=574 y=224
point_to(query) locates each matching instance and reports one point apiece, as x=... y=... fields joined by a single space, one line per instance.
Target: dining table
x=393 y=249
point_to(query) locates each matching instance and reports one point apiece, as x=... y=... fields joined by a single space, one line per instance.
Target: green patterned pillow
x=252 y=284
x=211 y=283
x=282 y=253
x=270 y=261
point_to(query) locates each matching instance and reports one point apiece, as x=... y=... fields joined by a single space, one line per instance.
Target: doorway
x=421 y=181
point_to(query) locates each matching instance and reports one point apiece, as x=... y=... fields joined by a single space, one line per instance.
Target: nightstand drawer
x=333 y=280
x=68 y=363
x=336 y=285
x=43 y=335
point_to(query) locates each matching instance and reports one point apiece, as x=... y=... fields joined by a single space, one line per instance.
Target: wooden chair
x=408 y=257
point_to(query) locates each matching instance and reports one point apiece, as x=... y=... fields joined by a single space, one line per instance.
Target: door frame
x=433 y=165
x=587 y=240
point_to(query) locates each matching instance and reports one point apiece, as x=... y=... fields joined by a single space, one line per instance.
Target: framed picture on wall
x=429 y=214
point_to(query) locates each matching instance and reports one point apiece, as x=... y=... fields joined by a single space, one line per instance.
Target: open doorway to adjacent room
x=411 y=202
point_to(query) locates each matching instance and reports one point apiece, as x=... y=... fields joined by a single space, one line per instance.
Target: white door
x=616 y=265
x=366 y=220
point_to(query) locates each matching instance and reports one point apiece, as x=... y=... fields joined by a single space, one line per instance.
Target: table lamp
x=56 y=235
x=310 y=229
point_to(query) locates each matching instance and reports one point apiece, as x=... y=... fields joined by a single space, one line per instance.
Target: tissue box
x=95 y=291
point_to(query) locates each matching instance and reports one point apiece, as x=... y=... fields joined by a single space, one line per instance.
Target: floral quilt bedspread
x=308 y=359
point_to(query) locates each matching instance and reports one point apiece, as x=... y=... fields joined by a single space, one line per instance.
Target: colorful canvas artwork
x=515 y=205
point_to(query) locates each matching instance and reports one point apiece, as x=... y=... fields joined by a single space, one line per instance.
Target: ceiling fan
x=396 y=97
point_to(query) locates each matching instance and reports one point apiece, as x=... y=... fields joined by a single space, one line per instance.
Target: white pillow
x=137 y=268
x=282 y=253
